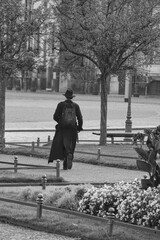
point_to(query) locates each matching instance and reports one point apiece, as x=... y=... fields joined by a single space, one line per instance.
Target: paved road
x=30 y=108
x=10 y=232
x=34 y=110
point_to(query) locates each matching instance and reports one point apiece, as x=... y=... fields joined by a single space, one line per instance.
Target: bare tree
x=109 y=33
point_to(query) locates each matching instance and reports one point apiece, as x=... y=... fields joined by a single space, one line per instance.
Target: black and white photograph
x=80 y=119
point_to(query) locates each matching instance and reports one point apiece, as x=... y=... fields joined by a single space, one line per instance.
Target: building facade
x=48 y=74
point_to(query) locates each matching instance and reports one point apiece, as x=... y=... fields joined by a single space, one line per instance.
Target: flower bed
x=131 y=203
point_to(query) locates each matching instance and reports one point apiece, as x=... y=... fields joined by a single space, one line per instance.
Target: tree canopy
x=19 y=23
x=109 y=33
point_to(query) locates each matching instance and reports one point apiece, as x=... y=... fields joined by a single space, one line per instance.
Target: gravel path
x=10 y=232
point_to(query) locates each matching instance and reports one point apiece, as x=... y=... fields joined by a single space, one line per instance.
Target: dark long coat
x=64 y=140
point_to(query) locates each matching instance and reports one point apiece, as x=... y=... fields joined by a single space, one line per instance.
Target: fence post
x=3 y=142
x=44 y=181
x=58 y=168
x=32 y=146
x=111 y=217
x=98 y=154
x=49 y=139
x=112 y=140
x=15 y=164
x=39 y=201
x=38 y=141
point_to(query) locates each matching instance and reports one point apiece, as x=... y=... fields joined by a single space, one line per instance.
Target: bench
x=128 y=136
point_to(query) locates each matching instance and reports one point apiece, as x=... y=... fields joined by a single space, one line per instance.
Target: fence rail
x=114 y=135
x=98 y=154
x=110 y=221
x=17 y=165
x=84 y=130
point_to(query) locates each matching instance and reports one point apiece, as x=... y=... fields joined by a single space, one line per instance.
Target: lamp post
x=146 y=86
x=126 y=93
x=128 y=123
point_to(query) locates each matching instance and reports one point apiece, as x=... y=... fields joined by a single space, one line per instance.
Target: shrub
x=52 y=197
x=25 y=194
x=63 y=197
x=131 y=203
x=141 y=208
x=68 y=201
x=71 y=197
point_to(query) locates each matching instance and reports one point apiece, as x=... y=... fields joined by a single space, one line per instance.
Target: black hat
x=69 y=94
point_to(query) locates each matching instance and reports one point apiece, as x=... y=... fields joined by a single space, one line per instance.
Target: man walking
x=69 y=118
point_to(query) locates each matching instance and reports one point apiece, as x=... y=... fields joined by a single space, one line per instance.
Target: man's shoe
x=65 y=168
x=65 y=165
x=69 y=160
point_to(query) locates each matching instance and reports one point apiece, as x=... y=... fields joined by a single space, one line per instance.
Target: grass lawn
x=113 y=155
x=116 y=155
x=63 y=224
x=67 y=225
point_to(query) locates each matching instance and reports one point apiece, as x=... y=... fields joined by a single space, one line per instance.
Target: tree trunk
x=103 y=123
x=2 y=107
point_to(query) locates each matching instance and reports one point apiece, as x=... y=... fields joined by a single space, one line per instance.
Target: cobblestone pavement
x=10 y=232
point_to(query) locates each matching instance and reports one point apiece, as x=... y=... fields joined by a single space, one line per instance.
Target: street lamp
x=128 y=123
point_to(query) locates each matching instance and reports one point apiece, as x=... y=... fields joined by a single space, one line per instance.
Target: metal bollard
x=15 y=164
x=39 y=201
x=49 y=139
x=32 y=146
x=58 y=168
x=38 y=141
x=98 y=154
x=3 y=142
x=111 y=217
x=112 y=140
x=44 y=181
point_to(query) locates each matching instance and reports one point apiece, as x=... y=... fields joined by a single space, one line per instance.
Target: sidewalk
x=80 y=172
